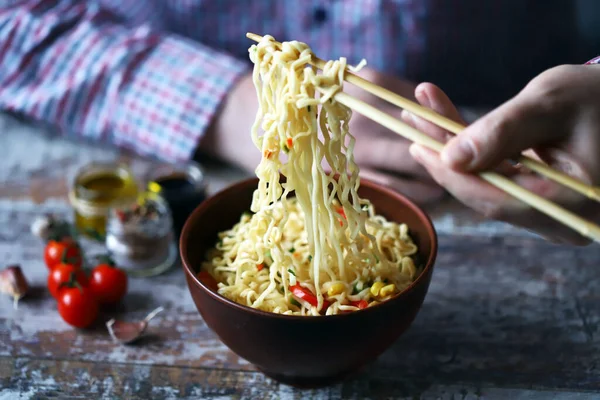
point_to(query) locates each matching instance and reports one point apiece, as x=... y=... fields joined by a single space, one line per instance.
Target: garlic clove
x=13 y=283
x=128 y=332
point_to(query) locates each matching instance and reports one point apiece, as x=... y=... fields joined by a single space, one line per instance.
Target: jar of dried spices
x=139 y=236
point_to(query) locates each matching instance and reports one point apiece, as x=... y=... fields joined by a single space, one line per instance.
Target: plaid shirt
x=149 y=75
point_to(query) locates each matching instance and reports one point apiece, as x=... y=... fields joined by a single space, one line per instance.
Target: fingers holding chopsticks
x=431 y=96
x=496 y=204
x=507 y=131
x=523 y=123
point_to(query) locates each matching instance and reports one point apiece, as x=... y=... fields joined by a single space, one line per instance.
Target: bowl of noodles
x=306 y=271
x=304 y=350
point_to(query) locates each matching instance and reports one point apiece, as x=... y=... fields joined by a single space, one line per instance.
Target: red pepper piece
x=208 y=280
x=289 y=142
x=260 y=267
x=340 y=210
x=361 y=304
x=306 y=295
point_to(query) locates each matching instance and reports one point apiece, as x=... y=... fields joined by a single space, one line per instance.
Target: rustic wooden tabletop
x=507 y=316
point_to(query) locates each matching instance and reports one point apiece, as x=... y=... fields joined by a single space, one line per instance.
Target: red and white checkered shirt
x=148 y=75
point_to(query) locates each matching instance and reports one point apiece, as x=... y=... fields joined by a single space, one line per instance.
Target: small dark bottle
x=182 y=186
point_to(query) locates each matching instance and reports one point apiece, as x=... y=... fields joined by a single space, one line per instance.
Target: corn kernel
x=376 y=288
x=387 y=290
x=336 y=288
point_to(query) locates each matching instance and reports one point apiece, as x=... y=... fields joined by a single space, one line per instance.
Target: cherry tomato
x=66 y=251
x=60 y=276
x=77 y=306
x=108 y=283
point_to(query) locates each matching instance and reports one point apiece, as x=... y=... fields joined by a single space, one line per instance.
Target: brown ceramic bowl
x=304 y=351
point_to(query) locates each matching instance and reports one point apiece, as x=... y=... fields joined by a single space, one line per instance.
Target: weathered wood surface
x=507 y=316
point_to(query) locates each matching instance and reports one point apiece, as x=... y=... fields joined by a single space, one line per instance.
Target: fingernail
x=405 y=116
x=459 y=153
x=421 y=95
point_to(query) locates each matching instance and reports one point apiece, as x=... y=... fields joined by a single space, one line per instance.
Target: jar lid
x=139 y=235
x=149 y=214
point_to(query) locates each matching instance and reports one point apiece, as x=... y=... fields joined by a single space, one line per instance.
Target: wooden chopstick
x=554 y=211
x=573 y=221
x=427 y=114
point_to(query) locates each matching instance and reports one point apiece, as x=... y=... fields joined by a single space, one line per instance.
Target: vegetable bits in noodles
x=310 y=246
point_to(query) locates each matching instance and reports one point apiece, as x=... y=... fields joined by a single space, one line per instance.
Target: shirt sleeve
x=593 y=61
x=72 y=65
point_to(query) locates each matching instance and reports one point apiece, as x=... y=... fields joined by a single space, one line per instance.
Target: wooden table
x=507 y=316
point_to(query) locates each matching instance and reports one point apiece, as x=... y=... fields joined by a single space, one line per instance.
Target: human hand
x=556 y=118
x=381 y=155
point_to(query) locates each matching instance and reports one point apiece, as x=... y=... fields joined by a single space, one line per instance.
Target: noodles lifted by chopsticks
x=311 y=245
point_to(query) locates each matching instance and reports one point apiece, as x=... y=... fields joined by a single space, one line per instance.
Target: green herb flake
x=309 y=257
x=291 y=271
x=355 y=289
x=280 y=289
x=292 y=250
x=285 y=148
x=376 y=258
x=295 y=302
x=365 y=207
x=268 y=254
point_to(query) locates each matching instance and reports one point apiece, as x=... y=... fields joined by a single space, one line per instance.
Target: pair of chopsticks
x=573 y=221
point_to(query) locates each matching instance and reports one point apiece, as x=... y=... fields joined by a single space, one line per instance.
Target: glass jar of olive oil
x=95 y=189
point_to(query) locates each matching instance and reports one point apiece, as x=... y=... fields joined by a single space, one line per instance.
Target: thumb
x=517 y=125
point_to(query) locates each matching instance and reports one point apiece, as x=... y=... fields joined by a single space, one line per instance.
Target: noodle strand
x=312 y=246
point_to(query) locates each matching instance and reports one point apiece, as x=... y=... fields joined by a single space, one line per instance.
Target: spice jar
x=182 y=186
x=139 y=236
x=95 y=189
